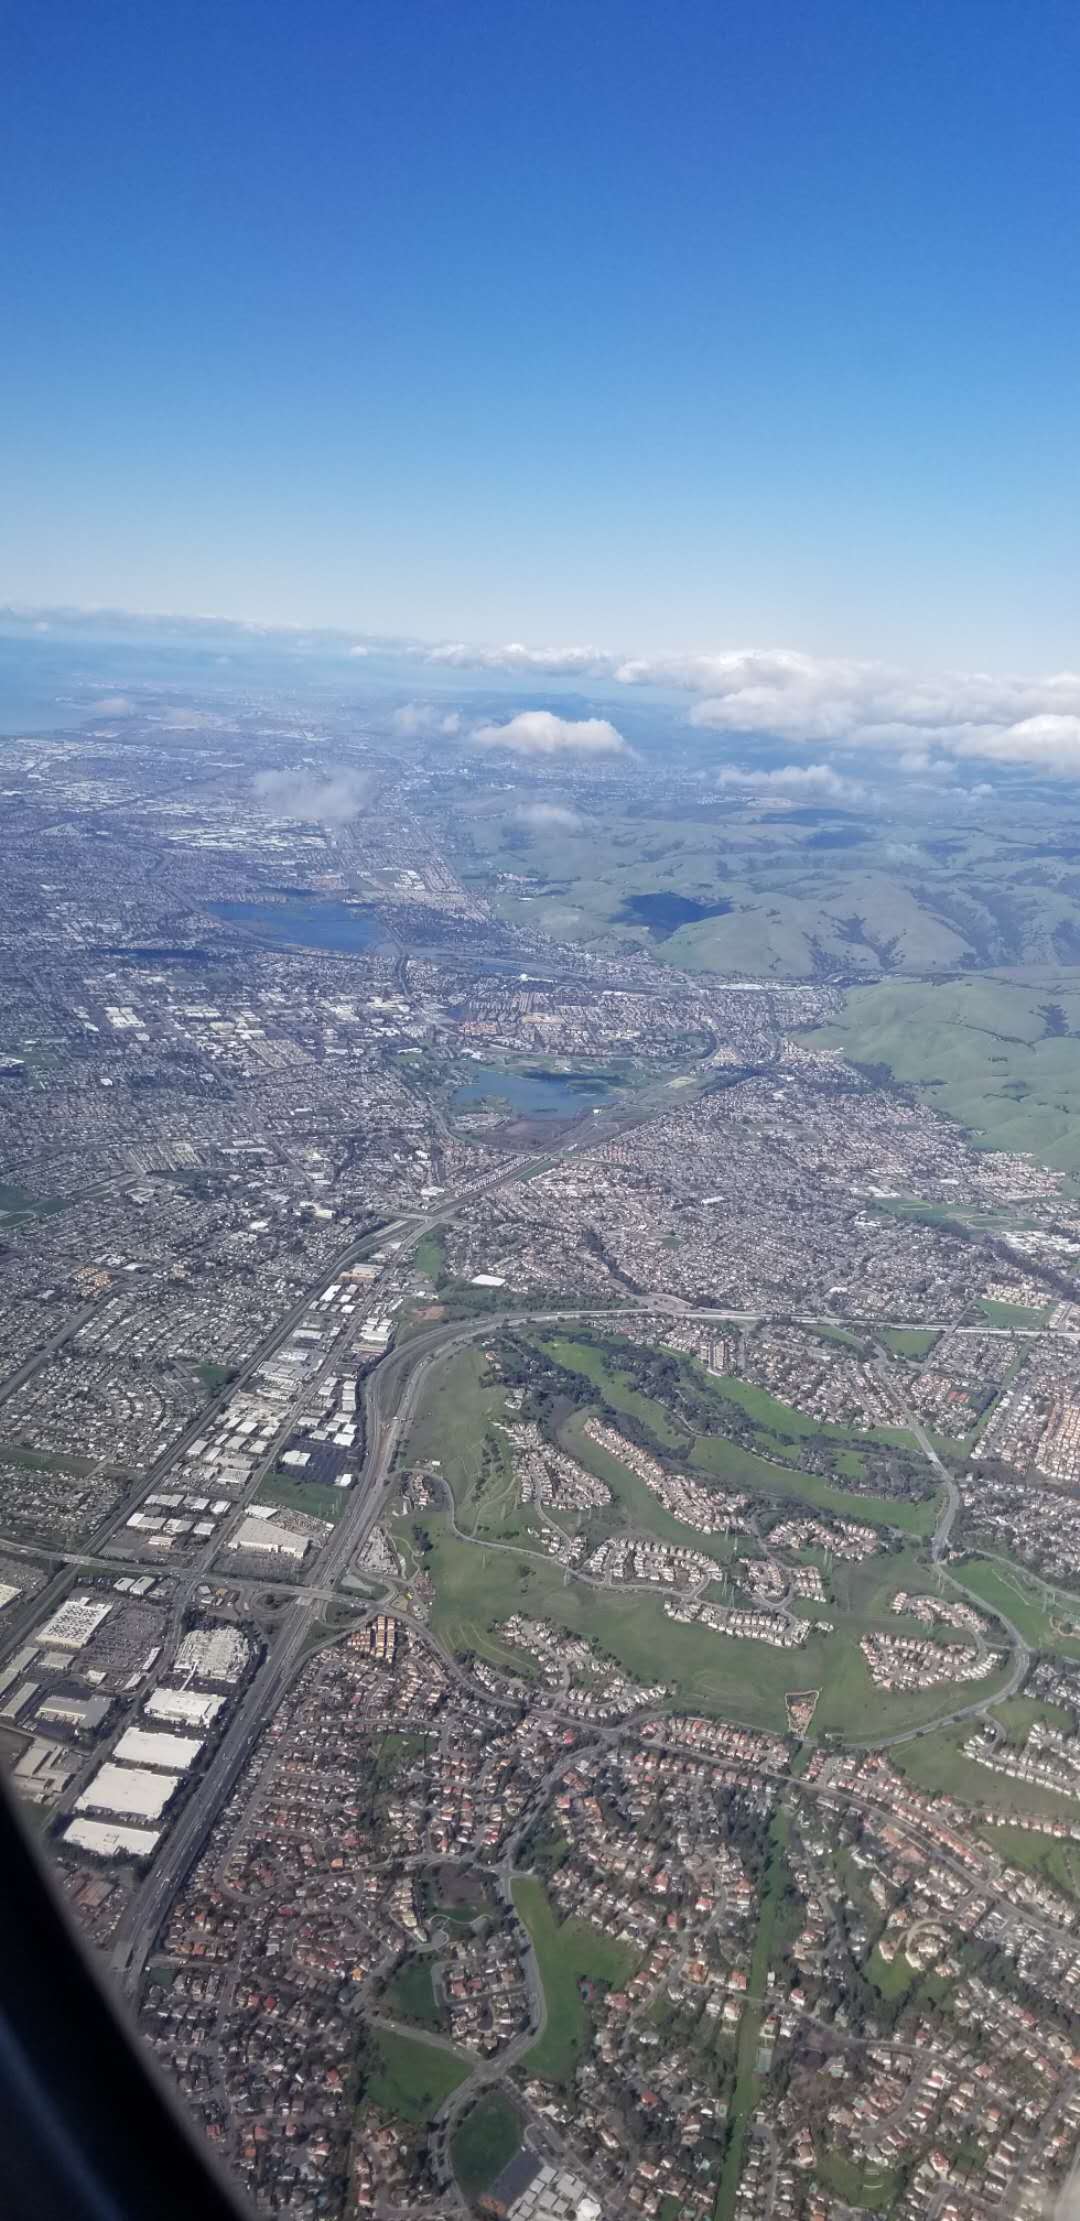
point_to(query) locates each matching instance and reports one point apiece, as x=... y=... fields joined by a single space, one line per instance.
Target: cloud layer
x=780 y=694
x=416 y=720
x=538 y=732
x=555 y=663
x=549 y=817
x=805 y=782
x=331 y=800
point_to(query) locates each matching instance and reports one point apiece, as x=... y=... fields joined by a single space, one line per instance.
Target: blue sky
x=704 y=326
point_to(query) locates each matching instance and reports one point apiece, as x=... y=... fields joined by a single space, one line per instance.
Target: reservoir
x=306 y=922
x=534 y=1093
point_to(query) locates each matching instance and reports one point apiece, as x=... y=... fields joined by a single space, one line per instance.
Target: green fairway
x=740 y=1468
x=411 y=2078
x=642 y=1507
x=617 y=1390
x=567 y=1955
x=484 y=2142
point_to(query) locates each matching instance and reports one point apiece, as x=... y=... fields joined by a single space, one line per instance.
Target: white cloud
x=359 y=651
x=810 y=701
x=333 y=798
x=417 y=720
x=114 y=705
x=785 y=695
x=190 y=720
x=805 y=781
x=537 y=732
x=563 y=663
x=549 y=816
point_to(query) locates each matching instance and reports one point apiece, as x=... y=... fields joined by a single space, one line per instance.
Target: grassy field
x=983 y=1050
x=937 y=1763
x=484 y=2142
x=429 y=1256
x=741 y=1468
x=411 y=2078
x=776 y=1418
x=1041 y=1618
x=1057 y=1861
x=580 y=1357
x=868 y=2189
x=908 y=1341
x=1012 y=1314
x=567 y=1955
x=411 y=1996
x=769 y=1462
x=303 y=1496
x=478 y=1587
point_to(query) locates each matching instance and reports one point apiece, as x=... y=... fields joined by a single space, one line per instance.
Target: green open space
x=730 y=885
x=1056 y=1860
x=1012 y=1314
x=777 y=1418
x=303 y=1496
x=986 y=1051
x=455 y=1429
x=616 y=1389
x=1040 y=1615
x=867 y=2189
x=892 y=1977
x=740 y=1468
x=567 y=1954
x=429 y=1256
x=409 y=2077
x=769 y=1461
x=484 y=2142
x=411 y=1995
x=909 y=1341
x=477 y=1586
x=937 y=1764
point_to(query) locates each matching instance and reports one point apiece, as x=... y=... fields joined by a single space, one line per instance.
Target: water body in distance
x=665 y=911
x=306 y=922
x=536 y=1093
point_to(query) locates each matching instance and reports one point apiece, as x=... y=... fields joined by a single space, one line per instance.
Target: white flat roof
x=127 y=1789
x=188 y=1706
x=108 y=1839
x=140 y=1746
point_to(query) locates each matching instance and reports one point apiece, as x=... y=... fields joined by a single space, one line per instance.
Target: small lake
x=535 y=1094
x=306 y=922
x=664 y=911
